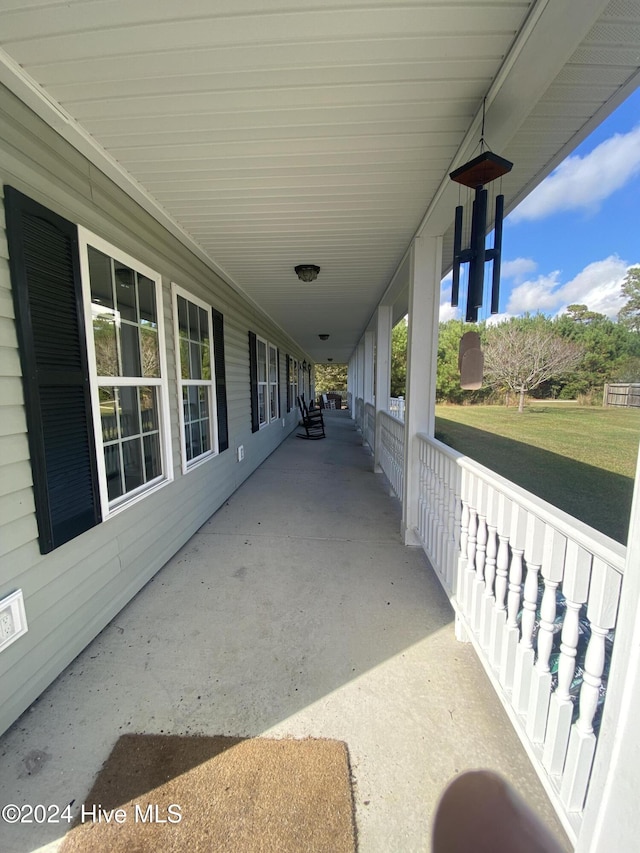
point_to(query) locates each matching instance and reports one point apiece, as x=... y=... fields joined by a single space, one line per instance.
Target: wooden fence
x=622 y=394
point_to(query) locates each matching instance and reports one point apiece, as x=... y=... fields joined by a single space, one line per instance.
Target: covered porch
x=205 y=152
x=299 y=616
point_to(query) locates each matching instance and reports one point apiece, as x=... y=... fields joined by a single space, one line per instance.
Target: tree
x=524 y=352
x=629 y=316
x=580 y=314
x=330 y=377
x=399 y=359
x=608 y=347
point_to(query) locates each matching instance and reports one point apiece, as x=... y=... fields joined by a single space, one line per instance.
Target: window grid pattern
x=126 y=347
x=273 y=382
x=293 y=381
x=261 y=349
x=196 y=378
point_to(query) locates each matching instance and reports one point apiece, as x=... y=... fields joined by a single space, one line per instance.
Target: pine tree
x=629 y=316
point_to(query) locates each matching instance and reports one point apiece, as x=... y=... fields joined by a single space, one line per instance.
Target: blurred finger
x=480 y=812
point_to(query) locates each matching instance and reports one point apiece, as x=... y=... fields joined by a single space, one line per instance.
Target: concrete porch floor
x=294 y=611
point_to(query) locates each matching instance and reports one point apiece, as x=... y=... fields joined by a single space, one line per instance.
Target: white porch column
x=352 y=370
x=611 y=810
x=422 y=356
x=358 y=408
x=383 y=369
x=369 y=347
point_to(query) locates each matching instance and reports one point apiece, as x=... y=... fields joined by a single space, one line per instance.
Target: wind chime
x=475 y=175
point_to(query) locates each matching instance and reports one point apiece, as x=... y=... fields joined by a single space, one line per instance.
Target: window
x=273 y=383
x=293 y=381
x=264 y=371
x=263 y=418
x=86 y=310
x=123 y=309
x=196 y=377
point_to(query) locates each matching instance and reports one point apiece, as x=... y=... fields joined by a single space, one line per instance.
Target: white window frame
x=109 y=508
x=190 y=464
x=274 y=386
x=301 y=382
x=293 y=382
x=263 y=384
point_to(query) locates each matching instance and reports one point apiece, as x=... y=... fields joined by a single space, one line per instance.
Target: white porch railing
x=369 y=426
x=537 y=592
x=396 y=407
x=391 y=451
x=358 y=413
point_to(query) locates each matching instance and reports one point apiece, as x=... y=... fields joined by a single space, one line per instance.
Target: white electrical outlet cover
x=13 y=619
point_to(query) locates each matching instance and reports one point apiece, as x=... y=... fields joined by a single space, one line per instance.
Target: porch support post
x=422 y=356
x=359 y=406
x=369 y=348
x=351 y=381
x=610 y=819
x=383 y=371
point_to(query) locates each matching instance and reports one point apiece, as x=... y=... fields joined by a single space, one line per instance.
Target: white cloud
x=582 y=183
x=518 y=268
x=598 y=286
x=535 y=295
x=496 y=319
x=447 y=312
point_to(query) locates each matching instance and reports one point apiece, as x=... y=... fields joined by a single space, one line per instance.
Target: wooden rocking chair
x=312 y=421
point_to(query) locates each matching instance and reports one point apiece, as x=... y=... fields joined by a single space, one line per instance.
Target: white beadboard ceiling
x=275 y=132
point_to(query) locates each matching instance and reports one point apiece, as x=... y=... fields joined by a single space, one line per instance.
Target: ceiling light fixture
x=307 y=272
x=324 y=337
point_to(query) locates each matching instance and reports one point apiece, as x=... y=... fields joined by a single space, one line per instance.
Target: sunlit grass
x=579 y=458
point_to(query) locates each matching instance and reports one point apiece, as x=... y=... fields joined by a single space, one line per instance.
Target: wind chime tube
x=457 y=248
x=497 y=249
x=476 y=267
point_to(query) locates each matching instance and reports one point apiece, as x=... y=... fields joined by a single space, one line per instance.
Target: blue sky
x=575 y=236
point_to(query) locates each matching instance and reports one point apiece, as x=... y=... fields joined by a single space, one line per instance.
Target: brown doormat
x=161 y=793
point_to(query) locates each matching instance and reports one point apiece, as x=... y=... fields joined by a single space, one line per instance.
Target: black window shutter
x=221 y=379
x=253 y=377
x=45 y=274
x=288 y=366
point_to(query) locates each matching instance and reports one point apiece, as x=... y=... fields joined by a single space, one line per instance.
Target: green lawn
x=581 y=459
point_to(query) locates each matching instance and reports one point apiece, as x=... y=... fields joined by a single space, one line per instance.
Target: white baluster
x=604 y=594
x=512 y=634
x=471 y=558
x=575 y=586
x=465 y=517
x=481 y=555
x=440 y=523
x=555 y=545
x=488 y=601
x=533 y=552
x=449 y=519
x=456 y=524
x=422 y=475
x=499 y=614
x=541 y=682
x=435 y=517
